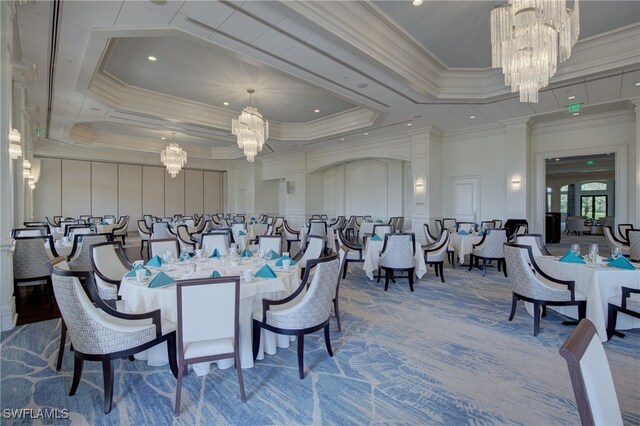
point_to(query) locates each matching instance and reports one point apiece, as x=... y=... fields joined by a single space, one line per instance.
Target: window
x=593 y=206
x=564 y=198
x=593 y=186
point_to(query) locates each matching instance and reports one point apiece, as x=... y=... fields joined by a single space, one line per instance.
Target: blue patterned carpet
x=445 y=354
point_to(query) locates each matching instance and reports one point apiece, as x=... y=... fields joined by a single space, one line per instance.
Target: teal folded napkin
x=480 y=234
x=215 y=253
x=215 y=274
x=266 y=272
x=253 y=218
x=161 y=280
x=132 y=273
x=273 y=255
x=252 y=223
x=378 y=221
x=185 y=257
x=155 y=261
x=609 y=259
x=246 y=253
x=376 y=237
x=488 y=231
x=462 y=232
x=622 y=263
x=279 y=261
x=104 y=223
x=570 y=257
x=333 y=218
x=242 y=233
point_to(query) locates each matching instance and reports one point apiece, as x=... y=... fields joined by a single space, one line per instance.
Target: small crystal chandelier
x=252 y=130
x=15 y=149
x=173 y=157
x=529 y=38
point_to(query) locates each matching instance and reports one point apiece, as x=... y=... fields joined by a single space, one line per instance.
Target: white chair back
x=237 y=227
x=160 y=247
x=313 y=251
x=267 y=243
x=382 y=230
x=36 y=232
x=161 y=231
x=317 y=228
x=260 y=229
x=214 y=241
x=106 y=261
x=532 y=241
x=80 y=231
x=398 y=251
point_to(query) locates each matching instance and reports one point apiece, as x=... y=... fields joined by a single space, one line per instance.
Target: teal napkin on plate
x=273 y=255
x=155 y=261
x=161 y=280
x=215 y=274
x=242 y=233
x=132 y=273
x=183 y=258
x=462 y=232
x=279 y=261
x=376 y=237
x=622 y=263
x=266 y=272
x=570 y=257
x=215 y=253
x=246 y=253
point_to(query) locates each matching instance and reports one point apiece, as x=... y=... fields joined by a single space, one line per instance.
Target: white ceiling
x=346 y=59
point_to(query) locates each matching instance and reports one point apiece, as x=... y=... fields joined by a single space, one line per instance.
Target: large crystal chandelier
x=15 y=149
x=173 y=157
x=252 y=130
x=528 y=40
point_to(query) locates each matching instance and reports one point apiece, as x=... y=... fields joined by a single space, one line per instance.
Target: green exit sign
x=574 y=107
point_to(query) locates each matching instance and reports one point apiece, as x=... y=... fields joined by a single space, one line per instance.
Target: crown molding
x=611 y=118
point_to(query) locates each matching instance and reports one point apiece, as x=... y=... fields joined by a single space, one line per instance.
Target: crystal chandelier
x=252 y=130
x=15 y=149
x=173 y=157
x=528 y=40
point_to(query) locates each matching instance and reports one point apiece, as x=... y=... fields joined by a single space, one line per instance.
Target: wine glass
x=593 y=252
x=616 y=252
x=575 y=249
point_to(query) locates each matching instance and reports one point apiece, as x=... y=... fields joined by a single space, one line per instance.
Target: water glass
x=575 y=249
x=189 y=268
x=616 y=252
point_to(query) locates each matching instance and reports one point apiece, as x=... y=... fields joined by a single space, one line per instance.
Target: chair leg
x=243 y=396
x=256 y=339
x=107 y=376
x=582 y=310
x=436 y=270
x=612 y=318
x=301 y=355
x=77 y=374
x=441 y=266
x=386 y=279
x=344 y=269
x=178 y=391
x=484 y=266
x=379 y=274
x=337 y=312
x=544 y=311
x=504 y=267
x=327 y=339
x=514 y=305
x=63 y=340
x=536 y=318
x=411 y=272
x=471 y=261
x=171 y=353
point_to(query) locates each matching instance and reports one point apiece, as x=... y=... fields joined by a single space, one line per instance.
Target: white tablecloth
x=330 y=238
x=598 y=284
x=372 y=256
x=139 y=298
x=463 y=244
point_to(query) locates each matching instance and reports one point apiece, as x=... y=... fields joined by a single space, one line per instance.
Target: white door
x=465 y=198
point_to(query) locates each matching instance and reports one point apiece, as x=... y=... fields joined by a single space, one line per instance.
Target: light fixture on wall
x=251 y=129
x=515 y=182
x=419 y=186
x=15 y=149
x=529 y=38
x=173 y=157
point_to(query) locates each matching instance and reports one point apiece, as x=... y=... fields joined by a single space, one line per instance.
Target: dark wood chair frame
x=68 y=228
x=267 y=303
x=46 y=278
x=537 y=303
x=389 y=272
x=16 y=231
x=616 y=239
x=612 y=318
x=191 y=242
x=146 y=231
x=117 y=247
x=351 y=247
x=625 y=235
x=107 y=359
x=474 y=260
x=78 y=237
x=458 y=224
x=222 y=231
x=439 y=265
x=539 y=242
x=291 y=231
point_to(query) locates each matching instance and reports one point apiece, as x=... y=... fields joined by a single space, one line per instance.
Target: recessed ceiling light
x=163 y=138
x=316 y=110
x=571 y=97
x=638 y=83
x=557 y=159
x=408 y=124
x=576 y=113
x=341 y=139
x=152 y=58
x=472 y=117
x=225 y=103
x=366 y=134
x=417 y=2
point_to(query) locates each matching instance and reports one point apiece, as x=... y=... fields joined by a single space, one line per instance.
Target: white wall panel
x=193 y=190
x=366 y=184
x=76 y=188
x=130 y=193
x=153 y=190
x=174 y=194
x=47 y=197
x=104 y=189
x=212 y=192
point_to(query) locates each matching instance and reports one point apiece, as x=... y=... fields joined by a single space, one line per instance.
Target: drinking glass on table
x=616 y=252
x=593 y=253
x=575 y=249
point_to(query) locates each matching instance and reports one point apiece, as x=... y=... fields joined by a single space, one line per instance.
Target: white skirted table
x=463 y=244
x=138 y=298
x=372 y=257
x=598 y=283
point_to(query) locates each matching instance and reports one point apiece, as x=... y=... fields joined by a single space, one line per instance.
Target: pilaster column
x=636 y=184
x=519 y=184
x=426 y=157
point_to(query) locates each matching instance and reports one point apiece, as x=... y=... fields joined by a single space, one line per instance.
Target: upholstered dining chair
x=487 y=224
x=79 y=259
x=266 y=243
x=184 y=239
x=278 y=224
x=160 y=247
x=43 y=225
x=145 y=235
x=622 y=230
x=220 y=240
x=79 y=230
x=29 y=259
x=121 y=229
x=521 y=229
x=352 y=228
x=382 y=230
x=353 y=250
x=29 y=232
x=449 y=223
x=591 y=379
x=612 y=241
x=70 y=229
x=398 y=254
x=343 y=253
x=101 y=333
x=634 y=244
x=497 y=223
x=467 y=226
x=208 y=326
x=435 y=253
x=110 y=264
x=317 y=228
x=431 y=238
x=315 y=217
x=490 y=247
x=311 y=313
x=161 y=231
x=535 y=241
x=290 y=235
x=532 y=284
x=313 y=250
x=109 y=219
x=628 y=303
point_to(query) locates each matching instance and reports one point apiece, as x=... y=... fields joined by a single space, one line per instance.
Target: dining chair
x=148 y=220
x=535 y=241
x=239 y=218
x=487 y=224
x=343 y=253
x=622 y=230
x=428 y=235
x=160 y=247
x=382 y=230
x=145 y=235
x=324 y=217
x=398 y=254
x=161 y=231
x=216 y=240
x=290 y=235
x=310 y=314
x=101 y=333
x=490 y=247
x=354 y=252
x=315 y=217
x=109 y=219
x=269 y=220
x=467 y=226
x=634 y=244
x=79 y=259
x=628 y=303
x=208 y=326
x=612 y=241
x=399 y=224
x=69 y=229
x=121 y=229
x=79 y=230
x=278 y=225
x=237 y=227
x=317 y=228
x=450 y=223
x=497 y=223
x=184 y=239
x=531 y=284
x=313 y=250
x=189 y=222
x=591 y=379
x=110 y=264
x=351 y=230
x=521 y=229
x=266 y=243
x=29 y=259
x=435 y=253
x=29 y=232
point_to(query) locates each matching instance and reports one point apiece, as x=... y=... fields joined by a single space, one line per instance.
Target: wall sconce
x=26 y=169
x=15 y=149
x=419 y=186
x=515 y=182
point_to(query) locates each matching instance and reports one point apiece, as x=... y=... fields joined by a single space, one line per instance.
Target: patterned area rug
x=445 y=354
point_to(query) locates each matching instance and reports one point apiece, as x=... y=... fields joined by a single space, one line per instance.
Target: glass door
x=593 y=206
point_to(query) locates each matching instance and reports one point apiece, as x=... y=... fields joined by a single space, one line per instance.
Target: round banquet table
x=463 y=244
x=139 y=298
